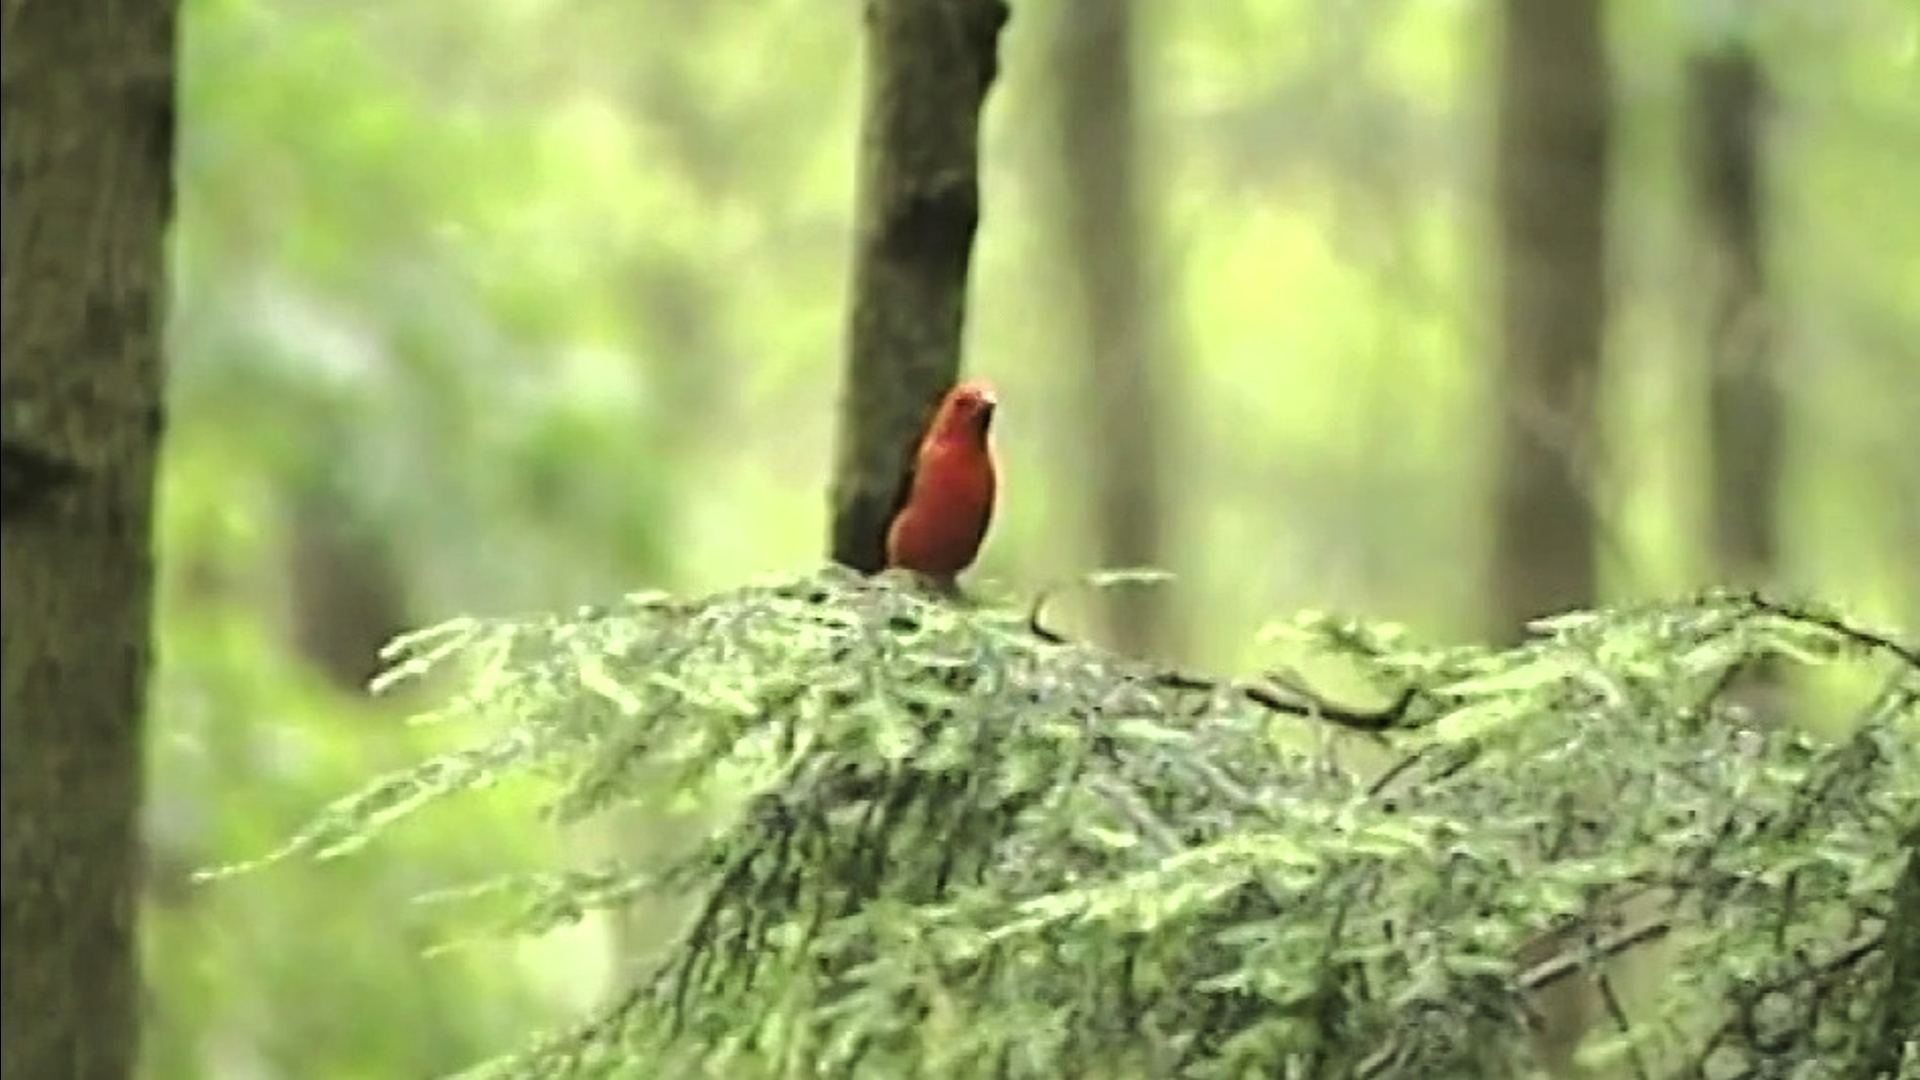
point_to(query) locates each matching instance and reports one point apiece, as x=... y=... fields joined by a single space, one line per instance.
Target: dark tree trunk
x=1552 y=159
x=1123 y=370
x=929 y=64
x=1729 y=93
x=86 y=172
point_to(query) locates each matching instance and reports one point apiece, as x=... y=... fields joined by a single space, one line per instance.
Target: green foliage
x=958 y=845
x=317 y=971
x=495 y=272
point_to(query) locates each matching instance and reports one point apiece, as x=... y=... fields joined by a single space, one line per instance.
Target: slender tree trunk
x=677 y=319
x=678 y=316
x=86 y=188
x=1745 y=411
x=1728 y=89
x=929 y=64
x=676 y=308
x=1124 y=374
x=1552 y=158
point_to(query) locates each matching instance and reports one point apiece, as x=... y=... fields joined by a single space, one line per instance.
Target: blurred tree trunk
x=348 y=597
x=685 y=365
x=1552 y=158
x=86 y=152
x=677 y=307
x=1728 y=91
x=1552 y=161
x=1744 y=407
x=929 y=64
x=1125 y=399
x=689 y=361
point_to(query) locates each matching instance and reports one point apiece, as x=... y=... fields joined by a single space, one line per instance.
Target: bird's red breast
x=950 y=501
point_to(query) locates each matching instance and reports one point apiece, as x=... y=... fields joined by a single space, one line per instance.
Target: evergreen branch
x=1871 y=640
x=1305 y=704
x=1067 y=861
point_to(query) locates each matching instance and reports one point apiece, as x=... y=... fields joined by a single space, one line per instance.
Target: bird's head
x=967 y=409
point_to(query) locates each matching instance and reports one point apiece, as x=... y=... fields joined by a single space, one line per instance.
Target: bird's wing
x=909 y=468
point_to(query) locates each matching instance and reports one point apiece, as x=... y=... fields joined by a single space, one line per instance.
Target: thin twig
x=1395 y=771
x=1309 y=705
x=1036 y=617
x=1367 y=721
x=1618 y=1014
x=1868 y=639
x=1538 y=977
x=1555 y=968
x=1819 y=974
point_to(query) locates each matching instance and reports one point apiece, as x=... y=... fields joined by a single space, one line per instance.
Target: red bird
x=950 y=492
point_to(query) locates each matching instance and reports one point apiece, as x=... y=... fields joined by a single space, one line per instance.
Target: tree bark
x=929 y=66
x=1123 y=371
x=86 y=188
x=1552 y=155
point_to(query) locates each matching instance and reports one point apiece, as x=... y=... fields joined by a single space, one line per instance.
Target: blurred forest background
x=522 y=305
